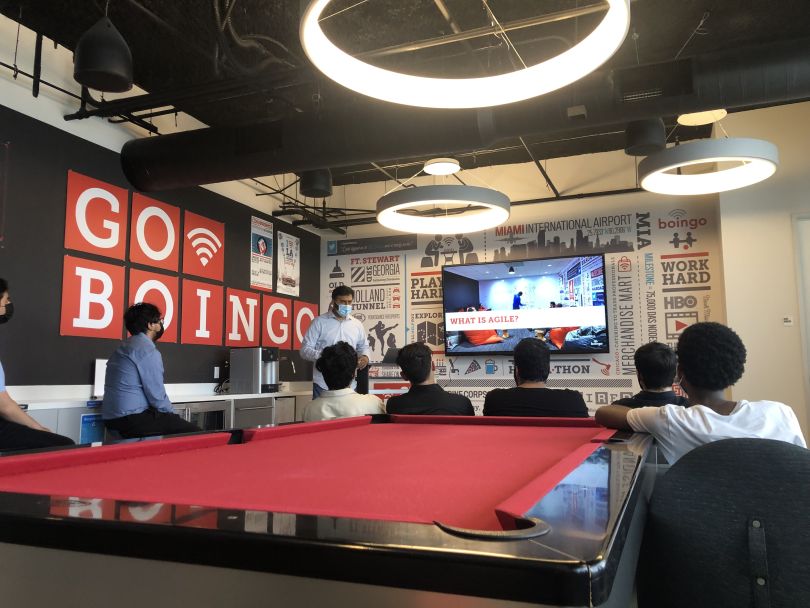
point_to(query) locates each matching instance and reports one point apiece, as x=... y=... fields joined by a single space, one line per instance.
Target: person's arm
x=614 y=417
x=150 y=369
x=309 y=345
x=362 y=348
x=11 y=411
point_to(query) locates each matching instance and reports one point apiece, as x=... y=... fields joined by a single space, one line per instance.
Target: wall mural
x=663 y=272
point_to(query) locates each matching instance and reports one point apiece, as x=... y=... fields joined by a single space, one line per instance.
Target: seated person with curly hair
x=656 y=365
x=425 y=396
x=338 y=364
x=711 y=357
x=531 y=397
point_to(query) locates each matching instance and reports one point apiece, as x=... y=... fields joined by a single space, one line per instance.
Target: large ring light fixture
x=492 y=209
x=549 y=75
x=760 y=159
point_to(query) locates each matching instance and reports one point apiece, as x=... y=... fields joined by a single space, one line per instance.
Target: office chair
x=729 y=525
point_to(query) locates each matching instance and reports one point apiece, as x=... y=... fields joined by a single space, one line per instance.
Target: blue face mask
x=344 y=310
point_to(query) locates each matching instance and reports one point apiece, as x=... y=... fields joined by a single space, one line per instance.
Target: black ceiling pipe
x=764 y=75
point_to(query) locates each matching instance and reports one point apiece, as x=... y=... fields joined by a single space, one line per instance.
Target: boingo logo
x=679 y=219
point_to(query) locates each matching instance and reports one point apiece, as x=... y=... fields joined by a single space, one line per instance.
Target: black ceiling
x=254 y=44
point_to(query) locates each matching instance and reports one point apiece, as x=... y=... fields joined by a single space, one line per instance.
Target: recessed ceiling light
x=395 y=87
x=755 y=160
x=697 y=119
x=442 y=166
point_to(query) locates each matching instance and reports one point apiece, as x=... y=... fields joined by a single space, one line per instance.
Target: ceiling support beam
x=542 y=170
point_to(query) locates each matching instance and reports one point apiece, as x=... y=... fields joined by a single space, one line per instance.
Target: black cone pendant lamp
x=102 y=60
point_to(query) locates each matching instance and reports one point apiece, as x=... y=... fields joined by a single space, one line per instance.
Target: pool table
x=377 y=510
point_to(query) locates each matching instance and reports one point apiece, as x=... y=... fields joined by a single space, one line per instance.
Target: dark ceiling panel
x=190 y=43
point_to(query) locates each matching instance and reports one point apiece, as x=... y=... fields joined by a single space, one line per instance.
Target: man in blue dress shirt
x=135 y=400
x=335 y=325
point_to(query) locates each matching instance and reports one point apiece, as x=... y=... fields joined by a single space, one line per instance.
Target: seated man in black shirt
x=655 y=369
x=531 y=397
x=424 y=396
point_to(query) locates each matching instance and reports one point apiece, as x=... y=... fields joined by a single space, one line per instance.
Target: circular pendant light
x=759 y=160
x=444 y=209
x=395 y=87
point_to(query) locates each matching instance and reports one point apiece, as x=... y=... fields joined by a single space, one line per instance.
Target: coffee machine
x=254 y=370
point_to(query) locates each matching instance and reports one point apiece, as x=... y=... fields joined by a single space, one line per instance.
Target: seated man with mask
x=18 y=431
x=135 y=400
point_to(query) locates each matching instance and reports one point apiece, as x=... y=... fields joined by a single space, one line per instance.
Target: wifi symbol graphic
x=205 y=244
x=677 y=213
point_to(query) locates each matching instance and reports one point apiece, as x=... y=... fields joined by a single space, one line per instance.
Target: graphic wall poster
x=203 y=247
x=202 y=313
x=663 y=272
x=162 y=291
x=261 y=254
x=154 y=234
x=92 y=299
x=289 y=264
x=377 y=244
x=95 y=216
x=377 y=281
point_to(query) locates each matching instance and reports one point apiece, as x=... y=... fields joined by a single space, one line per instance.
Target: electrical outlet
x=216 y=372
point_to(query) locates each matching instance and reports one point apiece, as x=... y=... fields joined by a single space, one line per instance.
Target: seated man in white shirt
x=711 y=357
x=338 y=365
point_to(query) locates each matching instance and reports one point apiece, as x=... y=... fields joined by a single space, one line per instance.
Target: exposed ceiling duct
x=738 y=79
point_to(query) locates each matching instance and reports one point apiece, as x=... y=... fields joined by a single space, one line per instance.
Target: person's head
x=6 y=307
x=144 y=318
x=553 y=305
x=655 y=366
x=415 y=361
x=532 y=361
x=711 y=357
x=520 y=293
x=342 y=298
x=338 y=364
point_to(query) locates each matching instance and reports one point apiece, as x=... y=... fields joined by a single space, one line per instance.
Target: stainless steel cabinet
x=263 y=411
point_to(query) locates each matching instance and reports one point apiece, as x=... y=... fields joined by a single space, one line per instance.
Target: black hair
x=3 y=286
x=138 y=317
x=656 y=364
x=532 y=360
x=415 y=360
x=342 y=290
x=520 y=293
x=711 y=356
x=337 y=363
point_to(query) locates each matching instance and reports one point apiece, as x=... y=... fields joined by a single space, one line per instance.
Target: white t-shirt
x=679 y=429
x=342 y=403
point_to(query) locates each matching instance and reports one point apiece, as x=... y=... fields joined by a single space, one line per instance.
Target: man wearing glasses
x=135 y=400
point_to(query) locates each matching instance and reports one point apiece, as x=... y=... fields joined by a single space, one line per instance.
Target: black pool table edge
x=453 y=571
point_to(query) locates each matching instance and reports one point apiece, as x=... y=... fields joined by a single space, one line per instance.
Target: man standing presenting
x=335 y=325
x=135 y=400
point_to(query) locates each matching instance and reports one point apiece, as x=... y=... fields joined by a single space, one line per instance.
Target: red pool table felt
x=479 y=474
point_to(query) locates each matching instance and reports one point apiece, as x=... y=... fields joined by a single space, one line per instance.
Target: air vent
x=650 y=81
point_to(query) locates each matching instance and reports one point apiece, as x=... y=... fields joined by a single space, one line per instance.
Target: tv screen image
x=489 y=308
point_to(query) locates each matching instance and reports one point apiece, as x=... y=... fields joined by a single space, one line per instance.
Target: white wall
x=760 y=260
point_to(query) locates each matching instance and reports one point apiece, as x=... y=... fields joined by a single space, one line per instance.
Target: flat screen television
x=489 y=308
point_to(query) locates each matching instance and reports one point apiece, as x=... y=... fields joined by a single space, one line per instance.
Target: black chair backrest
x=729 y=525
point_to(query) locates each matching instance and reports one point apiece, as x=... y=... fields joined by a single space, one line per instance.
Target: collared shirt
x=328 y=329
x=680 y=429
x=431 y=400
x=652 y=398
x=134 y=380
x=342 y=403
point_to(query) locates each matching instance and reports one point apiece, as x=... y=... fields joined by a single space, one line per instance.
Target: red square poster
x=155 y=233
x=95 y=216
x=162 y=291
x=203 y=247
